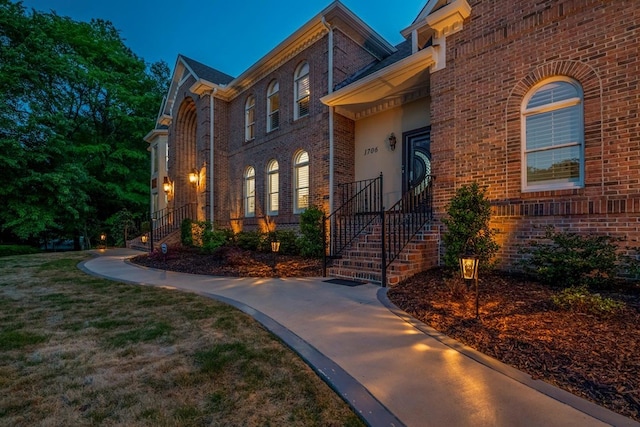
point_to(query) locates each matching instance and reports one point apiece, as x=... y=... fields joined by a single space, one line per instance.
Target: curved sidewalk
x=391 y=369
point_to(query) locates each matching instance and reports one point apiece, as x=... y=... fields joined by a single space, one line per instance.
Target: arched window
x=249 y=192
x=273 y=106
x=301 y=91
x=301 y=181
x=553 y=136
x=250 y=118
x=273 y=187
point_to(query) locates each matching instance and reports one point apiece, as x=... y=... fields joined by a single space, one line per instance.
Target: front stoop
x=172 y=239
x=362 y=260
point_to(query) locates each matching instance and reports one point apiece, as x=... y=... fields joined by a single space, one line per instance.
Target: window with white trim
x=273 y=187
x=553 y=136
x=301 y=91
x=250 y=118
x=273 y=106
x=301 y=181
x=249 y=192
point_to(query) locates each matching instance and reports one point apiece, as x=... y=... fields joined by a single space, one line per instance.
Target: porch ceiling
x=387 y=88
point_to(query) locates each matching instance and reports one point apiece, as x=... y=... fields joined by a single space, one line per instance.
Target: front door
x=416 y=164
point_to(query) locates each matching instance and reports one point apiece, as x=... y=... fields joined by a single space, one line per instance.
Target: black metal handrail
x=361 y=204
x=405 y=219
x=166 y=221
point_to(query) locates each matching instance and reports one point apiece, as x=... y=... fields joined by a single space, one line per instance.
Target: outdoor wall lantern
x=469 y=271
x=392 y=141
x=166 y=185
x=193 y=177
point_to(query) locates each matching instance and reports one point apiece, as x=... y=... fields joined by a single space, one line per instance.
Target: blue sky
x=228 y=35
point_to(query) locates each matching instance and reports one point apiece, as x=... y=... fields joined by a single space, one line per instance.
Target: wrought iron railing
x=166 y=221
x=361 y=204
x=404 y=219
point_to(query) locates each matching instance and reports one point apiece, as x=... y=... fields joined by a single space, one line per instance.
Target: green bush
x=580 y=300
x=9 y=250
x=252 y=241
x=568 y=259
x=311 y=241
x=469 y=214
x=186 y=232
x=214 y=239
x=288 y=242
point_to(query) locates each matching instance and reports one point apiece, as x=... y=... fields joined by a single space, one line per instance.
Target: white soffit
x=391 y=81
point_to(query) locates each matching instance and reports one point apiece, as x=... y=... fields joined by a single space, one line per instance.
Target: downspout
x=211 y=157
x=331 y=112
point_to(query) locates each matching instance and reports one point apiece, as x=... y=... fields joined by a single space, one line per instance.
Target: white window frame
x=250 y=118
x=301 y=97
x=576 y=102
x=273 y=187
x=300 y=165
x=249 y=192
x=273 y=106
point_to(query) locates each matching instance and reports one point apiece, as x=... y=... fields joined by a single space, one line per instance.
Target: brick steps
x=363 y=259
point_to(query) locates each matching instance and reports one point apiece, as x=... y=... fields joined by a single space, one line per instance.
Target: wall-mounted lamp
x=166 y=185
x=193 y=176
x=392 y=141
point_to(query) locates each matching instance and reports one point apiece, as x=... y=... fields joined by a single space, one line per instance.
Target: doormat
x=344 y=282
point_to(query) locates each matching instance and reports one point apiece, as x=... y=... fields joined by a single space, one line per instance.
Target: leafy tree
x=75 y=103
x=469 y=213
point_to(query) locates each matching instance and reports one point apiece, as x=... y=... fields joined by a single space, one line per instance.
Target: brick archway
x=184 y=154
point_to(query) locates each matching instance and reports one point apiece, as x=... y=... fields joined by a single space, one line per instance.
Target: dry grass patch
x=78 y=350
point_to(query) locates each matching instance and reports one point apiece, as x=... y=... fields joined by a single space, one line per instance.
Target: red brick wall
x=505 y=48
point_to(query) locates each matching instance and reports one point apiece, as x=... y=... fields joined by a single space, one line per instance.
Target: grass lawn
x=79 y=350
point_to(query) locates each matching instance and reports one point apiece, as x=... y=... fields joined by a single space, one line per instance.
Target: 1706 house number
x=370 y=150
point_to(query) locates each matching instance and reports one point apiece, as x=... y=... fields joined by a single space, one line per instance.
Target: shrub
x=469 y=213
x=213 y=239
x=252 y=241
x=568 y=259
x=9 y=250
x=579 y=299
x=186 y=232
x=288 y=242
x=311 y=241
x=456 y=286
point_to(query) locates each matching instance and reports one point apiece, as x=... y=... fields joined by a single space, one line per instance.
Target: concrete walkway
x=391 y=369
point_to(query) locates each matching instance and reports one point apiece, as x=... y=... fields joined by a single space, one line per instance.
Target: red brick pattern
x=504 y=49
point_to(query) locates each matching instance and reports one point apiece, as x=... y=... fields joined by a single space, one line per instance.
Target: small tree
x=469 y=214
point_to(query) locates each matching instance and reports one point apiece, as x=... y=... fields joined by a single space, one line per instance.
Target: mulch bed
x=231 y=261
x=595 y=357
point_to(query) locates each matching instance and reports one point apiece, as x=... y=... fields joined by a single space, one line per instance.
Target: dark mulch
x=231 y=261
x=595 y=357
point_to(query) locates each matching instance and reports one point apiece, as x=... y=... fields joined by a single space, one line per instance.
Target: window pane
x=553 y=92
x=553 y=128
x=302 y=187
x=303 y=107
x=559 y=165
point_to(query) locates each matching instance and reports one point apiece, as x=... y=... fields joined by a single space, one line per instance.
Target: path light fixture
x=392 y=141
x=144 y=238
x=193 y=177
x=166 y=185
x=469 y=271
x=103 y=240
x=275 y=248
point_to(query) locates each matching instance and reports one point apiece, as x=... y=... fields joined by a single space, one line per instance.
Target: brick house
x=536 y=101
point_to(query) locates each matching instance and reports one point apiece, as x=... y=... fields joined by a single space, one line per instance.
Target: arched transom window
x=553 y=136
